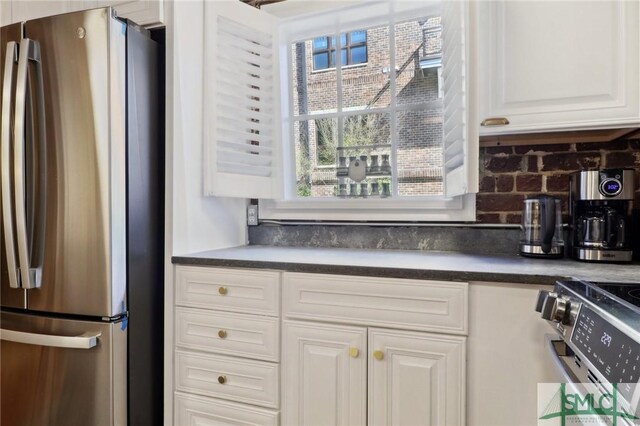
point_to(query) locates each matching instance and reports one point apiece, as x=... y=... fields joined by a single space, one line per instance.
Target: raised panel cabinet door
x=559 y=65
x=324 y=374
x=416 y=378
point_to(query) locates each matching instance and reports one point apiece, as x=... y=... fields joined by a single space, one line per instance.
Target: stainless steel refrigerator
x=81 y=192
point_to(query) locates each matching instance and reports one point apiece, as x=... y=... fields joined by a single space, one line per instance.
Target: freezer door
x=82 y=57
x=62 y=372
x=10 y=296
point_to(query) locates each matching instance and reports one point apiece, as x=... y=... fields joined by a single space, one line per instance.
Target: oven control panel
x=614 y=354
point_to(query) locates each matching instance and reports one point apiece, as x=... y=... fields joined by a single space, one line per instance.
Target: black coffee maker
x=600 y=210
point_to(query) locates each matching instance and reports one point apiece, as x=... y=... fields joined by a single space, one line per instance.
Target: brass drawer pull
x=495 y=121
x=223 y=291
x=222 y=379
x=379 y=355
x=354 y=352
x=222 y=334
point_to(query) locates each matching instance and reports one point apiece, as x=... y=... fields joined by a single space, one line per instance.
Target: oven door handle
x=558 y=348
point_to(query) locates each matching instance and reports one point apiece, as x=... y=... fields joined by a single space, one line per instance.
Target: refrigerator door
x=83 y=63
x=56 y=371
x=10 y=296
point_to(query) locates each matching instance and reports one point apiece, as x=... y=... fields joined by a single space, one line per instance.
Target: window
x=391 y=122
x=353 y=50
x=394 y=138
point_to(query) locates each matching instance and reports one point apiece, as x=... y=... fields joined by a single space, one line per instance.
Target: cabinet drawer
x=241 y=380
x=227 y=333
x=192 y=410
x=255 y=292
x=386 y=302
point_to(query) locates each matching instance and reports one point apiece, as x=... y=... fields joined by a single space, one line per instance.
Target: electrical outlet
x=252 y=215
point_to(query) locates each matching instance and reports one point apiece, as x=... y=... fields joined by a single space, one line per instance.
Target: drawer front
x=249 y=336
x=240 y=380
x=254 y=292
x=435 y=306
x=193 y=410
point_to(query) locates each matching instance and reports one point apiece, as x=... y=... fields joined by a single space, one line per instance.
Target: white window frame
x=460 y=208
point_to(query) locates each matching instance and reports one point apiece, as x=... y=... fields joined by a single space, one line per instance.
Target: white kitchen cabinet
x=5 y=12
x=148 y=13
x=416 y=378
x=226 y=342
x=413 y=377
x=325 y=375
x=559 y=65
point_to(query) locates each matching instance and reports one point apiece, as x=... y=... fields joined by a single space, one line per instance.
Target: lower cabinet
x=192 y=410
x=408 y=378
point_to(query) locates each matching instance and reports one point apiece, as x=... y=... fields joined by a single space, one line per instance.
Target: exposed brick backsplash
x=508 y=174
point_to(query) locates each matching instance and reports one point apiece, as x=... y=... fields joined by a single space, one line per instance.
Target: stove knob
x=548 y=306
x=542 y=296
x=556 y=308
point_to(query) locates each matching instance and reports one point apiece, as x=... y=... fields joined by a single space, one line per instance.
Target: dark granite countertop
x=434 y=265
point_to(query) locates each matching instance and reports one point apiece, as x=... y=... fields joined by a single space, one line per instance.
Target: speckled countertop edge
x=444 y=265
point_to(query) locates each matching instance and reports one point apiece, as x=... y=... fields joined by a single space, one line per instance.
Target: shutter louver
x=241 y=107
x=459 y=150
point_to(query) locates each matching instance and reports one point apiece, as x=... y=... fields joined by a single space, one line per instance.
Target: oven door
x=572 y=373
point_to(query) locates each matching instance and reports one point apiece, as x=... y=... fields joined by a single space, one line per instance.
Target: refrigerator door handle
x=5 y=147
x=86 y=340
x=29 y=51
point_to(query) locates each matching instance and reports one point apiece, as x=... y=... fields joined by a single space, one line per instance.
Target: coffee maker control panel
x=611 y=182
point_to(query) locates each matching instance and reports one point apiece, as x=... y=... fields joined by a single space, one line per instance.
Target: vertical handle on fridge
x=31 y=277
x=5 y=148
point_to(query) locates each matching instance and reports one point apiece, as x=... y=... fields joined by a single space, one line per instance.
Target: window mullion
x=338 y=66
x=392 y=113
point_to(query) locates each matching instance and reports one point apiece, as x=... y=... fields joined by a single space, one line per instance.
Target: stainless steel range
x=598 y=342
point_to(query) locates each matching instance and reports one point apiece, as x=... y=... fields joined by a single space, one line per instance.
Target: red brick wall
x=510 y=173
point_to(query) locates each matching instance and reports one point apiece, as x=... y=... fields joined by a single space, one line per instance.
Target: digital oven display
x=613 y=353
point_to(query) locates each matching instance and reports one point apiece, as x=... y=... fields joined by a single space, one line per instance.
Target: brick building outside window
x=364 y=88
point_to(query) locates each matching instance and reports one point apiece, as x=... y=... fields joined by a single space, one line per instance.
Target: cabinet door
x=559 y=65
x=324 y=374
x=416 y=378
x=24 y=10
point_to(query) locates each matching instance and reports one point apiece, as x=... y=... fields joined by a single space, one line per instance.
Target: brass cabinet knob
x=222 y=334
x=379 y=355
x=354 y=352
x=222 y=379
x=223 y=290
x=495 y=121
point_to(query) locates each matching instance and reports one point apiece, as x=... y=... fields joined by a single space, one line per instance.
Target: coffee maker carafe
x=600 y=210
x=542 y=227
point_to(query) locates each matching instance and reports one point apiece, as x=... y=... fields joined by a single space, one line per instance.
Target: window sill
x=436 y=209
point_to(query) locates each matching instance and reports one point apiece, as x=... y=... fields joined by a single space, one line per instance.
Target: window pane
x=315 y=146
x=414 y=85
x=367 y=138
x=419 y=152
x=320 y=43
x=343 y=57
x=320 y=61
x=368 y=86
x=358 y=55
x=343 y=39
x=313 y=92
x=358 y=36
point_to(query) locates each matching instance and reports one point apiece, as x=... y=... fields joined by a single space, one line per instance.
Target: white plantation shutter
x=460 y=135
x=241 y=111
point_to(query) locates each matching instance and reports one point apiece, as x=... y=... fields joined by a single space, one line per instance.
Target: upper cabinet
x=558 y=65
x=148 y=13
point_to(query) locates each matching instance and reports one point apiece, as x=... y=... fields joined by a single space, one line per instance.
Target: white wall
x=199 y=223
